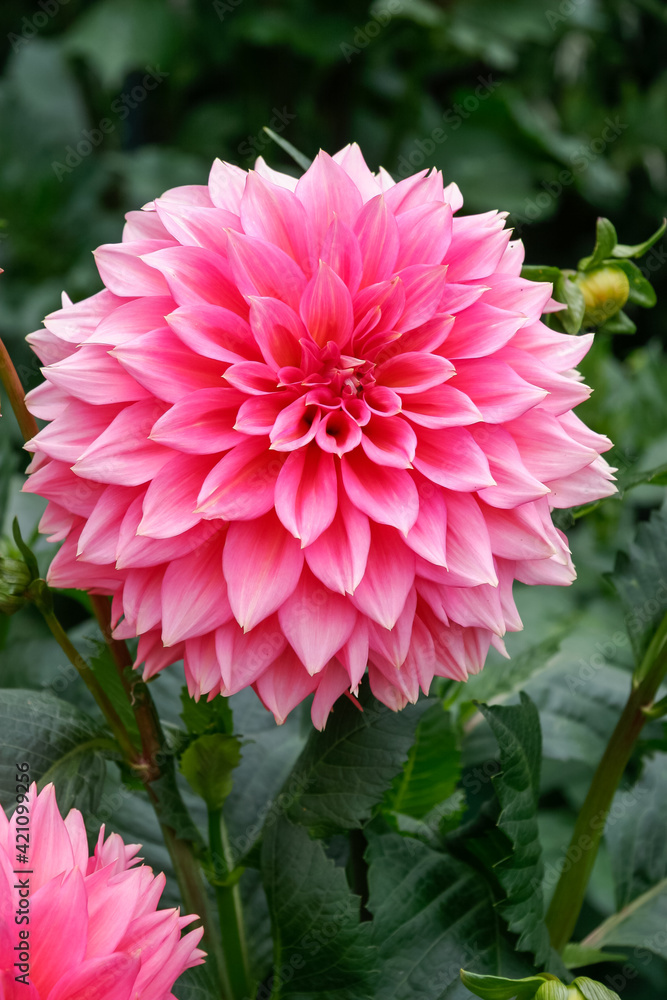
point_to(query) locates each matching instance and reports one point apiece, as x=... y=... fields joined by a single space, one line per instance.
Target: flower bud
x=14 y=581
x=605 y=292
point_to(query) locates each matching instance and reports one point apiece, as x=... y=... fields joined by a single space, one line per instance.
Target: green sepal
x=25 y=551
x=500 y=988
x=642 y=292
x=619 y=323
x=566 y=291
x=592 y=990
x=576 y=956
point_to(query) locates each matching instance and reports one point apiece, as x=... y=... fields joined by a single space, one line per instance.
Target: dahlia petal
x=338 y=556
x=590 y=483
x=338 y=433
x=242 y=484
x=414 y=372
x=277 y=330
x=498 y=392
x=562 y=392
x=197 y=226
x=138 y=551
x=99 y=539
x=80 y=425
x=123 y=453
x=57 y=482
x=262 y=564
x=258 y=414
x=326 y=192
x=458 y=297
x=214 y=332
x=243 y=656
x=426 y=337
x=46 y=401
x=58 y=921
x=388 y=578
x=414 y=191
x=306 y=494
x=386 y=296
x=295 y=426
x=472 y=564
x=393 y=644
x=559 y=351
x=284 y=684
x=263 y=269
x=98 y=978
x=272 y=213
x=518 y=533
x=547 y=449
x=452 y=458
x=477 y=249
x=226 y=184
x=515 y=484
x=481 y=330
x=51 y=853
x=197 y=195
x=386 y=691
x=92 y=375
x=333 y=681
x=142 y=598
x=194 y=275
x=352 y=161
x=143 y=224
x=388 y=496
x=316 y=622
x=442 y=406
x=194 y=599
x=132 y=319
x=354 y=654
x=389 y=441
x=68 y=571
x=169 y=505
x=77 y=321
x=425 y=233
x=162 y=363
x=424 y=285
x=200 y=423
x=378 y=237
x=284 y=180
x=49 y=348
x=251 y=377
x=326 y=307
x=474 y=607
x=125 y=273
x=341 y=252
x=428 y=535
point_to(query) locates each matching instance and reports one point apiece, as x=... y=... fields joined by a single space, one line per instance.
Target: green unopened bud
x=14 y=582
x=605 y=292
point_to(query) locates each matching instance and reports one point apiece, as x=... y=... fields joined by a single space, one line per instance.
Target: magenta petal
x=171 y=498
x=100 y=978
x=132 y=319
x=214 y=332
x=59 y=925
x=326 y=308
x=452 y=458
x=338 y=556
x=91 y=374
x=414 y=372
x=388 y=579
x=295 y=426
x=162 y=363
x=316 y=622
x=242 y=484
x=424 y=285
x=389 y=441
x=429 y=534
x=263 y=269
x=386 y=495
x=378 y=237
x=272 y=213
x=341 y=252
x=326 y=192
x=333 y=682
x=196 y=276
x=277 y=329
x=306 y=496
x=124 y=453
x=284 y=684
x=194 y=597
x=125 y=273
x=425 y=233
x=442 y=406
x=201 y=423
x=495 y=389
x=262 y=563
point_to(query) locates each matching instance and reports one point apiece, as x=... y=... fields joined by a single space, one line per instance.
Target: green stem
x=230 y=910
x=91 y=682
x=15 y=394
x=571 y=888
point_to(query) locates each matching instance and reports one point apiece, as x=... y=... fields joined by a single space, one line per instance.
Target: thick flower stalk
x=309 y=428
x=93 y=927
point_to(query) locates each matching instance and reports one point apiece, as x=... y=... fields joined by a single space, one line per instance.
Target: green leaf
x=321 y=950
x=432 y=915
x=620 y=323
x=641 y=924
x=196 y=984
x=61 y=744
x=623 y=250
x=605 y=241
x=208 y=763
x=300 y=158
x=25 y=551
x=635 y=832
x=517 y=730
x=499 y=682
x=642 y=292
x=576 y=956
x=433 y=767
x=206 y=716
x=639 y=579
x=104 y=668
x=572 y=317
x=628 y=479
x=344 y=771
x=500 y=988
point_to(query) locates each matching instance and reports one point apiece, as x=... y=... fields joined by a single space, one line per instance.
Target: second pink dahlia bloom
x=310 y=426
x=94 y=930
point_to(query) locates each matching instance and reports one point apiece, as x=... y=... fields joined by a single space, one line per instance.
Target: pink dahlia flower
x=309 y=427
x=94 y=931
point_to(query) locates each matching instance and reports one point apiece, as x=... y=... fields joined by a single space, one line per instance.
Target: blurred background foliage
x=552 y=110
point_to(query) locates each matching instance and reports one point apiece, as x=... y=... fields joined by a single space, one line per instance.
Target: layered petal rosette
x=311 y=428
x=93 y=929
